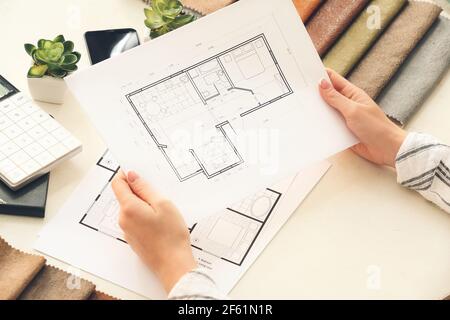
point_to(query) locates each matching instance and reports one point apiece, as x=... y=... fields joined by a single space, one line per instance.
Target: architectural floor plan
x=231 y=234
x=233 y=83
x=218 y=109
x=102 y=214
x=228 y=235
x=214 y=112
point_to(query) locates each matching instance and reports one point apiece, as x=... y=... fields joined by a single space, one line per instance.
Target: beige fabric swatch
x=17 y=269
x=206 y=6
x=391 y=50
x=54 y=284
x=98 y=295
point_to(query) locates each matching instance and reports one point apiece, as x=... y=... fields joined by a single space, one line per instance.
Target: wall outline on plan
x=212 y=236
x=233 y=83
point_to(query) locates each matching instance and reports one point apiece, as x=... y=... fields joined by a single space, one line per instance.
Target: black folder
x=29 y=200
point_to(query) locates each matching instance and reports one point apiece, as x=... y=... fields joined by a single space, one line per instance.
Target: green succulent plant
x=55 y=58
x=164 y=16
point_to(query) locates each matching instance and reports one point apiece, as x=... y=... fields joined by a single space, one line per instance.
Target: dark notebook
x=27 y=201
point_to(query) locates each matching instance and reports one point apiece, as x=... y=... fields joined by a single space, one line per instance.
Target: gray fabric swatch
x=419 y=74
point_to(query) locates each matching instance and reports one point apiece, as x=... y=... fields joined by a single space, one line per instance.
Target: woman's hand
x=154 y=228
x=380 y=139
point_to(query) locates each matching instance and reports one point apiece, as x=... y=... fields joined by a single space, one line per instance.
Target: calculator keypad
x=30 y=139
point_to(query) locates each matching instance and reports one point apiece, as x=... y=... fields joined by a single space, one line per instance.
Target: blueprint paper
x=215 y=110
x=85 y=232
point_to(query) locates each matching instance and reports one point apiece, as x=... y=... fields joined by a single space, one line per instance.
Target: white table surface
x=356 y=225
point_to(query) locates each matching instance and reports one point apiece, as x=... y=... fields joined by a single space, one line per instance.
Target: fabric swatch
x=17 y=269
x=306 y=8
x=420 y=73
x=360 y=36
x=98 y=295
x=394 y=46
x=54 y=284
x=206 y=6
x=333 y=17
x=25 y=276
x=444 y=4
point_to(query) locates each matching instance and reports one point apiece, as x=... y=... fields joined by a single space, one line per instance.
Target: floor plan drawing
x=103 y=213
x=228 y=235
x=231 y=234
x=234 y=83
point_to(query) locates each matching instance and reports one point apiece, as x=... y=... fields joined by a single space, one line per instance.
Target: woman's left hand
x=154 y=228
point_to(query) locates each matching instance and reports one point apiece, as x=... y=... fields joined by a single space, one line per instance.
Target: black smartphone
x=104 y=44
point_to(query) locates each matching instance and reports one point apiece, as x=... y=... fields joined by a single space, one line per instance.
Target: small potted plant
x=166 y=15
x=52 y=61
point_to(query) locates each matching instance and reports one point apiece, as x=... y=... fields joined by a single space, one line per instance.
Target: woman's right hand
x=380 y=139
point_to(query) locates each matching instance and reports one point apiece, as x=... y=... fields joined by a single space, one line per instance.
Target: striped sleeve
x=423 y=165
x=196 y=285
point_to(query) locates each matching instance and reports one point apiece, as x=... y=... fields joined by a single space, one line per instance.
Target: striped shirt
x=422 y=165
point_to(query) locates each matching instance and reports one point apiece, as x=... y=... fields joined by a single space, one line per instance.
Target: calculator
x=31 y=141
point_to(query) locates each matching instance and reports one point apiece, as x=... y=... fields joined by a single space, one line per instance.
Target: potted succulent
x=52 y=61
x=166 y=15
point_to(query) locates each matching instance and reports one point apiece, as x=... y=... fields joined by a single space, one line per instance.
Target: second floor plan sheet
x=86 y=233
x=215 y=110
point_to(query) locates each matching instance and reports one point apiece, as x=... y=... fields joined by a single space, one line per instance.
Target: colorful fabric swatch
x=17 y=269
x=394 y=46
x=419 y=74
x=206 y=6
x=306 y=8
x=54 y=284
x=360 y=36
x=333 y=17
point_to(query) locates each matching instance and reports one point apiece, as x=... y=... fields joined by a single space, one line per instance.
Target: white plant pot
x=48 y=89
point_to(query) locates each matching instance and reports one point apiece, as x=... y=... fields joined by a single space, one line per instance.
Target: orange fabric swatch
x=306 y=8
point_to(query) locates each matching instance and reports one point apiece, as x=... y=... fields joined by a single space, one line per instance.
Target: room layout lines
x=103 y=213
x=228 y=235
x=231 y=234
x=108 y=162
x=188 y=114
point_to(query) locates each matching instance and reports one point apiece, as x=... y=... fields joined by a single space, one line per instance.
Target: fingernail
x=132 y=176
x=325 y=84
